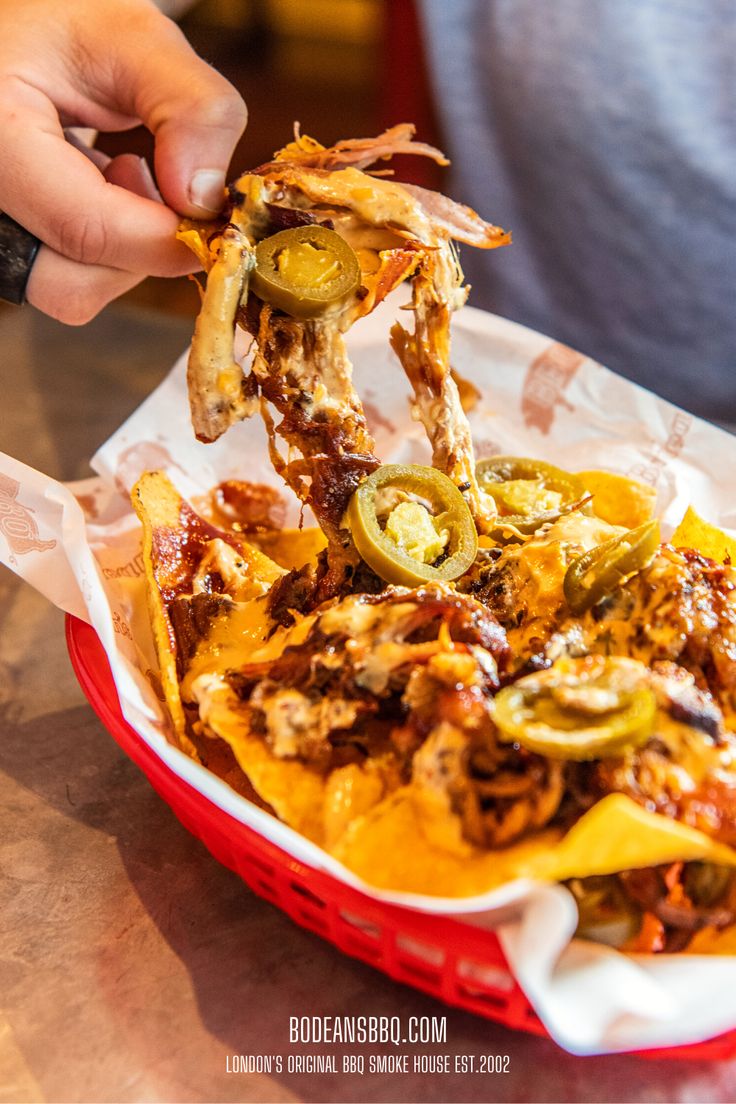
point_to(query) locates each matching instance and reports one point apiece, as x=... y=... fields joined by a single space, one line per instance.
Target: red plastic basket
x=457 y=963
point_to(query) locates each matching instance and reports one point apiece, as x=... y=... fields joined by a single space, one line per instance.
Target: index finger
x=54 y=191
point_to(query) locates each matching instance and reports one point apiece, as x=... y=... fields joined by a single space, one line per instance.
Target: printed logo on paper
x=17 y=523
x=546 y=380
x=679 y=430
x=133 y=569
x=652 y=467
x=120 y=626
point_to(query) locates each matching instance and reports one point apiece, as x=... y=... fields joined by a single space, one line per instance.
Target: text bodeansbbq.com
x=341 y=1040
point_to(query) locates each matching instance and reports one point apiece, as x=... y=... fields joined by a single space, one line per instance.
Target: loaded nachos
x=468 y=672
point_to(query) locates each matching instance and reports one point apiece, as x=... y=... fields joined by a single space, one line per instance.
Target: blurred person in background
x=603 y=135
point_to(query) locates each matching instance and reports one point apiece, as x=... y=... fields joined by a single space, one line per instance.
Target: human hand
x=108 y=65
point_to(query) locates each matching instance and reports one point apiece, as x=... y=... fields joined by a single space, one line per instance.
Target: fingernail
x=207 y=189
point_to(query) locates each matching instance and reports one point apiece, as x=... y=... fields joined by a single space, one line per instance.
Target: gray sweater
x=602 y=133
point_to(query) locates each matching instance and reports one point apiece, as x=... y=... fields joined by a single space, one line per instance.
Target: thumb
x=194 y=143
x=195 y=115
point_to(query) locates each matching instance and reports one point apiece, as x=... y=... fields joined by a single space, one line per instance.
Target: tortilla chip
x=294 y=791
x=616 y=834
x=319 y=804
x=712 y=942
x=618 y=499
x=291 y=548
x=394 y=847
x=156 y=503
x=169 y=526
x=693 y=532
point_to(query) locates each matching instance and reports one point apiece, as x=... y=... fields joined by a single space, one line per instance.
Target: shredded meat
x=191 y=619
x=416 y=671
x=358 y=152
x=300 y=367
x=425 y=357
x=660 y=892
x=249 y=507
x=685 y=770
x=681 y=608
x=656 y=908
x=350 y=681
x=304 y=372
x=498 y=791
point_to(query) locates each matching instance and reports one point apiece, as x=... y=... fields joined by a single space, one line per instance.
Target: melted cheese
x=579 y=532
x=524 y=496
x=238 y=636
x=538 y=567
x=236 y=569
x=375 y=200
x=694 y=753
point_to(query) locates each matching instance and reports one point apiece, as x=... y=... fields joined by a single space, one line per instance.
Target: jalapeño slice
x=599 y=572
x=528 y=493
x=305 y=271
x=405 y=542
x=579 y=709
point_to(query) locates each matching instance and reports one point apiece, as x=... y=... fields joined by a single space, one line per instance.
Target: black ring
x=18 y=249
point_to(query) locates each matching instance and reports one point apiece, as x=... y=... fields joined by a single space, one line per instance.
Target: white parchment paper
x=79 y=546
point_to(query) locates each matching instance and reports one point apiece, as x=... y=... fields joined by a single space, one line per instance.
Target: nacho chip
x=319 y=804
x=291 y=548
x=618 y=499
x=294 y=790
x=694 y=532
x=176 y=541
x=712 y=942
x=616 y=834
x=178 y=546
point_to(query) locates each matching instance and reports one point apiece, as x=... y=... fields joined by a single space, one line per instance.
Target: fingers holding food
x=322 y=243
x=75 y=292
x=72 y=208
x=86 y=209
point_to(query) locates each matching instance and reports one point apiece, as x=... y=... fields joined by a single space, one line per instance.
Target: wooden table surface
x=132 y=965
